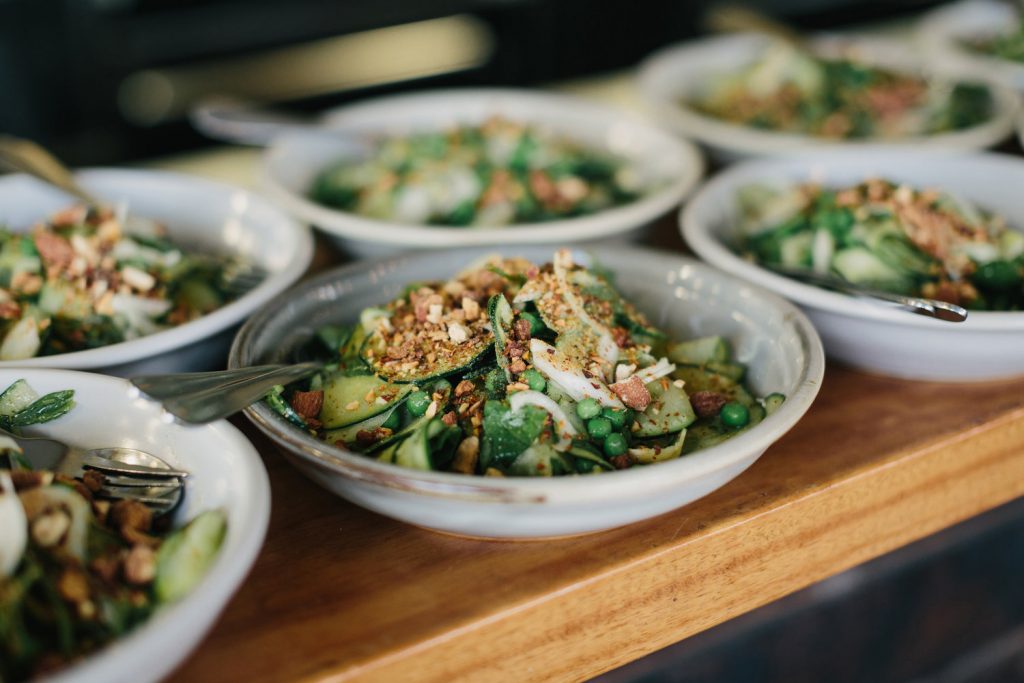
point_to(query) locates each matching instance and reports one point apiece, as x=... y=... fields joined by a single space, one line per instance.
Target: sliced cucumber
x=795 y=251
x=709 y=432
x=773 y=402
x=583 y=450
x=186 y=554
x=539 y=460
x=16 y=398
x=700 y=351
x=734 y=371
x=442 y=387
x=460 y=359
x=414 y=452
x=660 y=451
x=701 y=379
x=500 y=315
x=348 y=434
x=862 y=267
x=669 y=412
x=351 y=397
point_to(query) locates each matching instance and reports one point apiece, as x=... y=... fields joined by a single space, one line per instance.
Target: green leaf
x=508 y=433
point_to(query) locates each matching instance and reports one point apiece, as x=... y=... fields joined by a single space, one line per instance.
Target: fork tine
x=97 y=462
x=154 y=497
x=138 y=482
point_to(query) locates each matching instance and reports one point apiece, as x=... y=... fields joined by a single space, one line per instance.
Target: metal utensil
x=129 y=473
x=200 y=397
x=241 y=124
x=26 y=156
x=940 y=310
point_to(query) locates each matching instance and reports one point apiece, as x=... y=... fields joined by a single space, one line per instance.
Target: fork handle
x=201 y=397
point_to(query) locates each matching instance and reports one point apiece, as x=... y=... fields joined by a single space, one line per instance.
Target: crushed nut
x=140 y=565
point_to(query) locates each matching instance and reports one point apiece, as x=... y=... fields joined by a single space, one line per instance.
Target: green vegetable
x=615 y=444
x=599 y=427
x=186 y=555
x=535 y=380
x=618 y=417
x=735 y=414
x=508 y=433
x=588 y=408
x=418 y=403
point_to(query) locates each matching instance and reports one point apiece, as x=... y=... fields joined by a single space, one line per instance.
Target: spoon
x=201 y=397
x=28 y=157
x=933 y=308
x=238 y=123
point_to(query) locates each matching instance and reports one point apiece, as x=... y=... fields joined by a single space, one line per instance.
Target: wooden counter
x=342 y=594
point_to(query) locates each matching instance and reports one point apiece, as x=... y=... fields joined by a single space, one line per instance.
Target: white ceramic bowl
x=291 y=163
x=225 y=472
x=681 y=72
x=199 y=214
x=942 y=33
x=988 y=345
x=687 y=298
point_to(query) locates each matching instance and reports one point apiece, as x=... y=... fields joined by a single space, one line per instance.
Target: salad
x=79 y=281
x=1009 y=46
x=515 y=369
x=888 y=236
x=498 y=173
x=793 y=91
x=78 y=571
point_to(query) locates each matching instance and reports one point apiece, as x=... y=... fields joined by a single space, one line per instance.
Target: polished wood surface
x=339 y=593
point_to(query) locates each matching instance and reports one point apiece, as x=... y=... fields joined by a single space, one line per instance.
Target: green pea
x=417 y=403
x=584 y=466
x=535 y=380
x=614 y=444
x=392 y=422
x=734 y=414
x=536 y=324
x=599 y=427
x=617 y=416
x=588 y=408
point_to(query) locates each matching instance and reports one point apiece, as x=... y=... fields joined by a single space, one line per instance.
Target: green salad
x=793 y=91
x=78 y=571
x=78 y=281
x=888 y=236
x=515 y=369
x=498 y=173
x=1009 y=46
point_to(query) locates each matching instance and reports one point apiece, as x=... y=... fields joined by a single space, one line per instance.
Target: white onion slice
x=553 y=364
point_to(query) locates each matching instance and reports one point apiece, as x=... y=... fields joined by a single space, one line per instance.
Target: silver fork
x=129 y=473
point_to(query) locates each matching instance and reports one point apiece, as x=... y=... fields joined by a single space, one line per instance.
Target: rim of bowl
x=540 y=489
x=200 y=328
x=938 y=32
x=704 y=241
x=745 y=140
x=617 y=220
x=223 y=578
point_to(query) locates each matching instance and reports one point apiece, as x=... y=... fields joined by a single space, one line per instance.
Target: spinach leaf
x=508 y=433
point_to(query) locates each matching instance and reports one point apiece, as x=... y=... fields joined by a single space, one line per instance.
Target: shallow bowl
x=677 y=74
x=861 y=332
x=199 y=214
x=225 y=472
x=670 y=167
x=772 y=337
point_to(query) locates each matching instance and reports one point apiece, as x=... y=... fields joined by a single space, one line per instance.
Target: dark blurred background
x=104 y=81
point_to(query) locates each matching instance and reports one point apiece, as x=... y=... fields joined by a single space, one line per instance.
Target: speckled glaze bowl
x=772 y=337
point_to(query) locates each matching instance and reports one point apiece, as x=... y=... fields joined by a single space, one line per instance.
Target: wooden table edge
x=591 y=626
